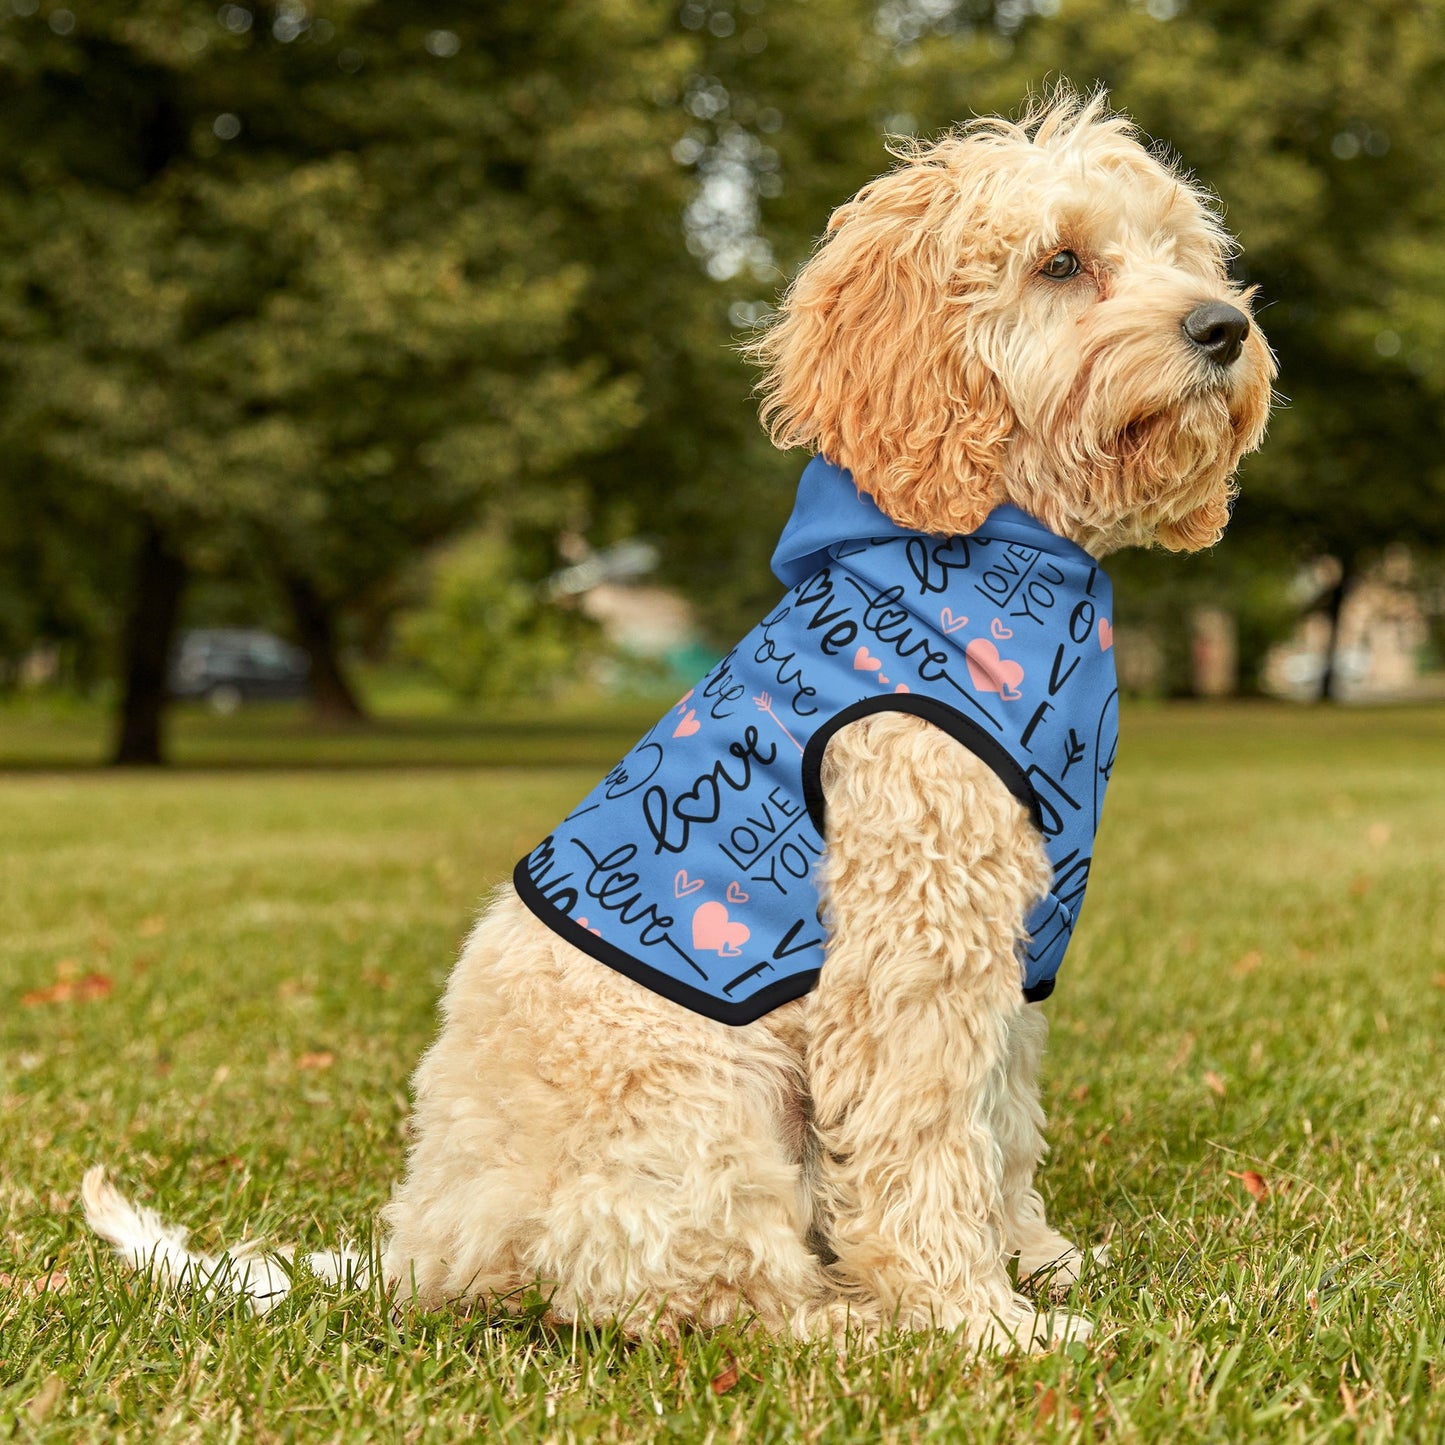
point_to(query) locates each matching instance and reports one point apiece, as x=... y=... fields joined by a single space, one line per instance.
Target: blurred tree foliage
x=304 y=289
x=311 y=286
x=484 y=631
x=782 y=118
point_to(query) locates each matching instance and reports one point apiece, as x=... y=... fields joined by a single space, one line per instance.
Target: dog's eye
x=1061 y=266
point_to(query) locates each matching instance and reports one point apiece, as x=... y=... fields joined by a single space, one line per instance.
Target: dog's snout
x=1218 y=331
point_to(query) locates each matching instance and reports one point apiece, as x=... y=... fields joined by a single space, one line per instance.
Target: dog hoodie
x=690 y=866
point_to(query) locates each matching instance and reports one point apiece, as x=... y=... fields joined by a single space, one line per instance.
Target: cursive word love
x=901 y=630
x=671 y=818
x=613 y=885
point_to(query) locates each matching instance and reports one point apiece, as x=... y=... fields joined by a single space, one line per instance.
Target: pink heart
x=584 y=923
x=992 y=673
x=682 y=885
x=999 y=630
x=736 y=894
x=882 y=681
x=682 y=701
x=1106 y=634
x=863 y=662
x=688 y=726
x=949 y=622
x=903 y=687
x=714 y=931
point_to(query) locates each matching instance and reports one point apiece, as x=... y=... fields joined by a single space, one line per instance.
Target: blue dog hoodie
x=690 y=866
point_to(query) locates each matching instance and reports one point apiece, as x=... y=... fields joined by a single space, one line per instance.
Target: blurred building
x=1382 y=650
x=643 y=622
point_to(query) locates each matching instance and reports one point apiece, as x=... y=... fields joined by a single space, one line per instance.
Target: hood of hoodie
x=831 y=510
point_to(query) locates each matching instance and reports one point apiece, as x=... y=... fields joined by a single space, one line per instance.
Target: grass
x=408 y=728
x=217 y=981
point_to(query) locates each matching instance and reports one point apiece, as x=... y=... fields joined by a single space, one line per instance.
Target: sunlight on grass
x=217 y=982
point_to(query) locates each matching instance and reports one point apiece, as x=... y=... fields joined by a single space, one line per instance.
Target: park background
x=407 y=333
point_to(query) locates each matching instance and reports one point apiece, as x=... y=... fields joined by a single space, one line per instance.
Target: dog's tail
x=147 y=1243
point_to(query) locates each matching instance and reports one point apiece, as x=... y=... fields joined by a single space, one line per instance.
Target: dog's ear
x=873 y=358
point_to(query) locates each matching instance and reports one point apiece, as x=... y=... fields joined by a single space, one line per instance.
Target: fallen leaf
x=56 y=1282
x=1254 y=1184
x=55 y=993
x=1046 y=1408
x=321 y=1059
x=1214 y=1083
x=1246 y=965
x=726 y=1379
x=63 y=990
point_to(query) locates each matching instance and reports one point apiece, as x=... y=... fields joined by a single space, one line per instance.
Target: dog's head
x=1035 y=312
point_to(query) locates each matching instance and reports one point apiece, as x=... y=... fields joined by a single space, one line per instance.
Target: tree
x=292 y=285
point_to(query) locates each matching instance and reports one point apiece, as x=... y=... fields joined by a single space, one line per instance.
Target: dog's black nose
x=1218 y=331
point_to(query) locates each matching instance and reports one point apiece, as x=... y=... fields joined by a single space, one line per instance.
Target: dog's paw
x=1060 y=1327
x=1057 y=1269
x=1024 y=1326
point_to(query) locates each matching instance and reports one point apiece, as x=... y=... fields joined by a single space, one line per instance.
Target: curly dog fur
x=864 y=1156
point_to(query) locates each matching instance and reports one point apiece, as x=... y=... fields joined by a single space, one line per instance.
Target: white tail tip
x=147 y=1243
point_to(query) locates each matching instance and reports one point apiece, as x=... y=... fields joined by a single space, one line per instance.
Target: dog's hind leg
x=576 y=1133
x=695 y=1208
x=931 y=866
x=684 y=1201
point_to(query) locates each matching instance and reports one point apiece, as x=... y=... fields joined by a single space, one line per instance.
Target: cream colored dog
x=1036 y=313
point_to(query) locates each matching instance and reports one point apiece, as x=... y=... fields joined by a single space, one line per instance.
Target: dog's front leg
x=931 y=865
x=1018 y=1122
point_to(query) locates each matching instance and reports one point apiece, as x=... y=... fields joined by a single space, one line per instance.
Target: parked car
x=228 y=666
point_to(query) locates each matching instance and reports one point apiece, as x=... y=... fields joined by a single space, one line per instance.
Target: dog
x=1014 y=353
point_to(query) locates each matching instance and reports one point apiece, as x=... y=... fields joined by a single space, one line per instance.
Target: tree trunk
x=150 y=628
x=1334 y=608
x=333 y=699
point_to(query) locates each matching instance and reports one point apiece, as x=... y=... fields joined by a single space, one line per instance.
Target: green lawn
x=216 y=980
